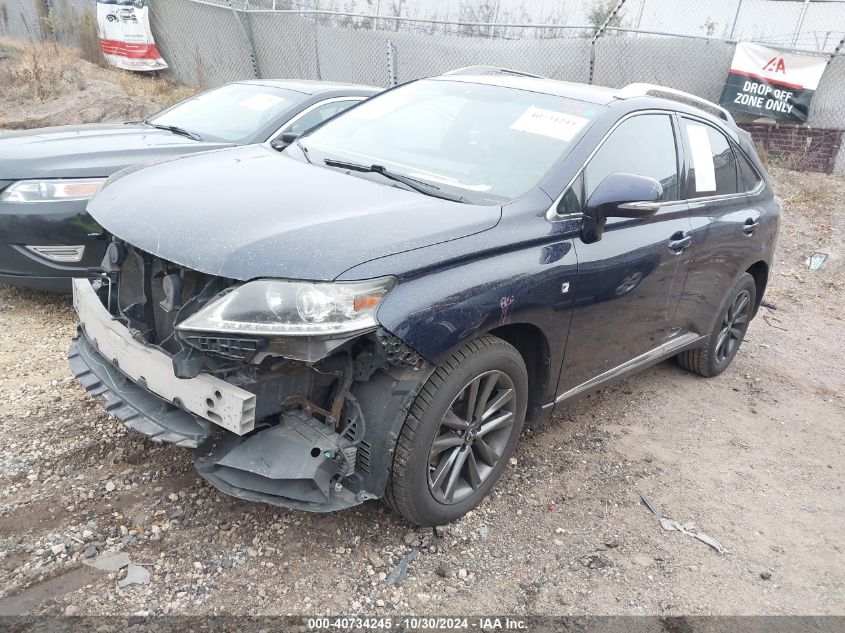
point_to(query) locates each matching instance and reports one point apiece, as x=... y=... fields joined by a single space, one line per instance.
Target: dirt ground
x=754 y=458
x=48 y=84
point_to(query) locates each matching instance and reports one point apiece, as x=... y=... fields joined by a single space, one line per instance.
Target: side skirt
x=633 y=366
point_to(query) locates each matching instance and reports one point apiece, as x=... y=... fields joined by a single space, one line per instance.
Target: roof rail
x=653 y=90
x=490 y=70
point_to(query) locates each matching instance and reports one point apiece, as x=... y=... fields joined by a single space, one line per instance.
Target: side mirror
x=281 y=142
x=619 y=196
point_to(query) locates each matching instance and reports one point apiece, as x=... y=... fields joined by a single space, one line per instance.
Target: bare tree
x=601 y=11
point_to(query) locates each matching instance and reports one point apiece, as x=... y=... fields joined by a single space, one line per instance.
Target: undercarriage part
x=295 y=464
x=138 y=408
x=384 y=401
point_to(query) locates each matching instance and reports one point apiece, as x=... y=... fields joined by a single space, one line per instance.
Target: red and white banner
x=125 y=36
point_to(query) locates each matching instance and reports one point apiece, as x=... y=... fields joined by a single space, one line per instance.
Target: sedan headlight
x=292 y=308
x=56 y=189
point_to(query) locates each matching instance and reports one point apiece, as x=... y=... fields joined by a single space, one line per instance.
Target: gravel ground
x=754 y=458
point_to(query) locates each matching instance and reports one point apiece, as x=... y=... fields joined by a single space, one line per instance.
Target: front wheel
x=460 y=433
x=728 y=333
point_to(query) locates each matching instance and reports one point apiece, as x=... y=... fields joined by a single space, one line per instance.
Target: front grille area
x=142 y=298
x=241 y=347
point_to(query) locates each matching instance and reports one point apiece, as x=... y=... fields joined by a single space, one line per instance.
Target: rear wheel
x=460 y=433
x=728 y=333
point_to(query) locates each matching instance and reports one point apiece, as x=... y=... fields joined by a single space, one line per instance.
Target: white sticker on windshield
x=702 y=158
x=549 y=123
x=261 y=101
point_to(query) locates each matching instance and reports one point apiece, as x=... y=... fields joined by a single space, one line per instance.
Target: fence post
x=736 y=18
x=598 y=34
x=800 y=23
x=247 y=36
x=392 y=79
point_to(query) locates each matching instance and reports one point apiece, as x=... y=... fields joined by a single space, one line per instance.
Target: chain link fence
x=683 y=44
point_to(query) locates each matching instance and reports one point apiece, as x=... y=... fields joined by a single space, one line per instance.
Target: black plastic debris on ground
x=398 y=573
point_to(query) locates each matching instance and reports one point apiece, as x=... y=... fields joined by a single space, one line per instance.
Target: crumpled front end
x=307 y=423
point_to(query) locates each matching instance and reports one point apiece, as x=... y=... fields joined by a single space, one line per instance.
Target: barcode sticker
x=549 y=123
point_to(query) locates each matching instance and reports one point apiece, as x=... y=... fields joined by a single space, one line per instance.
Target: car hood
x=252 y=212
x=97 y=150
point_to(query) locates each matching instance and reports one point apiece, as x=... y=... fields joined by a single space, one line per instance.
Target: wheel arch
x=760 y=272
x=532 y=344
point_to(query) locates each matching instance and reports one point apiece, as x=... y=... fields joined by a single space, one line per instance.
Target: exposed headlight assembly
x=269 y=307
x=54 y=189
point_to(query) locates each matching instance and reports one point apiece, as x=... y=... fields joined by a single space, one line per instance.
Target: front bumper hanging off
x=205 y=396
x=140 y=409
x=296 y=463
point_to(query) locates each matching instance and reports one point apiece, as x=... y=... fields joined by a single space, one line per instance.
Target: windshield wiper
x=417 y=185
x=304 y=150
x=175 y=129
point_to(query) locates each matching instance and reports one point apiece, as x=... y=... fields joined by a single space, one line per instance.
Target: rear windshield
x=486 y=143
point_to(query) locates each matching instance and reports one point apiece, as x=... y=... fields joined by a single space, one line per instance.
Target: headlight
x=293 y=308
x=44 y=190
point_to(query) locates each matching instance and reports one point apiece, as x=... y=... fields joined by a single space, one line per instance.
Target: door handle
x=679 y=242
x=750 y=226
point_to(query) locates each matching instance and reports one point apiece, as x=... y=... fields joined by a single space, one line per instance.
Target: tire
x=420 y=478
x=713 y=357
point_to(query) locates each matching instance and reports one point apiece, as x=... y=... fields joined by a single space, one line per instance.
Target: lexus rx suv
x=376 y=311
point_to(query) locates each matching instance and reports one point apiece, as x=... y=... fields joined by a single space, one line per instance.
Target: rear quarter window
x=749 y=178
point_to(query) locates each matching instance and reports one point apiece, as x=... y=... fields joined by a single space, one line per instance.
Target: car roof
x=598 y=95
x=313 y=87
x=636 y=93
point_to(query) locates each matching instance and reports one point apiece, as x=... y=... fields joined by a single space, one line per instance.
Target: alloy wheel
x=472 y=437
x=733 y=327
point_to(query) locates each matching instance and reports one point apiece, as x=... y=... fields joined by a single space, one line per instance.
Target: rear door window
x=712 y=167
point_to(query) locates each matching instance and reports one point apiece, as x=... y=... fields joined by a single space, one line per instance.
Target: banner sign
x=125 y=36
x=769 y=83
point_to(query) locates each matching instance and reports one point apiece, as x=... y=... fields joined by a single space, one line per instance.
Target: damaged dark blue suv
x=376 y=311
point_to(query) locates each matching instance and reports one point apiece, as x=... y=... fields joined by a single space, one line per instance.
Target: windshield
x=486 y=143
x=234 y=113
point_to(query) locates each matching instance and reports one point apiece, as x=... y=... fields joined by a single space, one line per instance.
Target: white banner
x=125 y=36
x=771 y=83
x=801 y=72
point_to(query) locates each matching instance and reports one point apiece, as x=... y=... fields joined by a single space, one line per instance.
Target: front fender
x=436 y=313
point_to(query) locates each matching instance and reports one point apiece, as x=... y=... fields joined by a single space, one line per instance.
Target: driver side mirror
x=619 y=196
x=281 y=142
